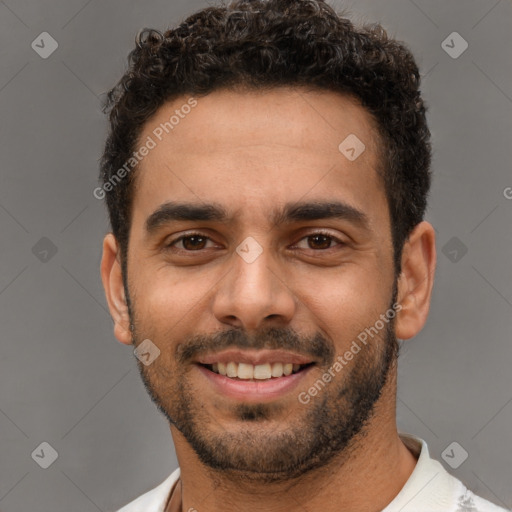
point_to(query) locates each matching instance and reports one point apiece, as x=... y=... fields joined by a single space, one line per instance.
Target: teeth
x=259 y=372
x=277 y=369
x=245 y=371
x=232 y=370
x=262 y=371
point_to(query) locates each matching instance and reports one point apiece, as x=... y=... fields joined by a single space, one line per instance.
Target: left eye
x=196 y=241
x=320 y=240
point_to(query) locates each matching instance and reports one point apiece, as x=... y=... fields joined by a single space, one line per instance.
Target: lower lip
x=254 y=391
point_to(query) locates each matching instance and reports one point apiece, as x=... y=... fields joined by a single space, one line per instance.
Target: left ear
x=416 y=281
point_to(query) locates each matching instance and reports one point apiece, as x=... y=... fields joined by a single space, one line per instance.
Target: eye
x=195 y=242
x=191 y=242
x=320 y=240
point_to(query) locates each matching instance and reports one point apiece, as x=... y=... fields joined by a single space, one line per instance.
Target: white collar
x=430 y=488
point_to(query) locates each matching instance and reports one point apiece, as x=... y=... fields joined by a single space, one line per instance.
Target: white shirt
x=430 y=488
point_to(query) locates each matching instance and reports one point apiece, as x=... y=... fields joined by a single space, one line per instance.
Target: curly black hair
x=262 y=44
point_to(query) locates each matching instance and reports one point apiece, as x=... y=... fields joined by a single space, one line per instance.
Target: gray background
x=65 y=380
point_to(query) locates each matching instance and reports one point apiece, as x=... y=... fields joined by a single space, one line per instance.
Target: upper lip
x=254 y=357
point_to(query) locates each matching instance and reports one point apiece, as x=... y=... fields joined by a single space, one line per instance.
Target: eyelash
x=179 y=239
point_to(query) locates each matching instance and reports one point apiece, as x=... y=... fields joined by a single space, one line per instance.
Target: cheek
x=345 y=301
x=165 y=299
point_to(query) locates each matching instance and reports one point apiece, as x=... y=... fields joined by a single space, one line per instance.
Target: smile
x=254 y=376
x=247 y=371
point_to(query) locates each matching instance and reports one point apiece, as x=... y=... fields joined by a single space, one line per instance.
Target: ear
x=112 y=277
x=416 y=281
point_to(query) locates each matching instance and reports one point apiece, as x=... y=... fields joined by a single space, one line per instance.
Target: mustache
x=317 y=347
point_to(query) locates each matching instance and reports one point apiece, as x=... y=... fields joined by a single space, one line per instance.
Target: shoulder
x=470 y=502
x=431 y=488
x=155 y=499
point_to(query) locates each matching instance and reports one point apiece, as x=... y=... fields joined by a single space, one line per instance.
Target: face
x=256 y=241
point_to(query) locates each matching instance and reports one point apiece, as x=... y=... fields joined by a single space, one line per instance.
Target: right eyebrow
x=173 y=211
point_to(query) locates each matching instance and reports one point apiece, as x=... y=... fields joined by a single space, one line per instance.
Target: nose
x=254 y=294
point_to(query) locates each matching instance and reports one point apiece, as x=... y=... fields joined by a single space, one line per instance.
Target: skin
x=251 y=152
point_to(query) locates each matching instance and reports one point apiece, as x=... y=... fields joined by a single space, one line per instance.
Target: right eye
x=191 y=242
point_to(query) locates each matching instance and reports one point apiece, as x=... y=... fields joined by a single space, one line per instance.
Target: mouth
x=254 y=376
x=258 y=372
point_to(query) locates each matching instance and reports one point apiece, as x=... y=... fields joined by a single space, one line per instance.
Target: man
x=266 y=175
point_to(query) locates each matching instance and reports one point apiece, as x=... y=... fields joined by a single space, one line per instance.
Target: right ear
x=112 y=277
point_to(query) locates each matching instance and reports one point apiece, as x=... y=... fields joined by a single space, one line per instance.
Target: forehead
x=249 y=151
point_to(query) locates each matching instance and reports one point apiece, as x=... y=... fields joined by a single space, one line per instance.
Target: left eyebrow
x=317 y=210
x=291 y=212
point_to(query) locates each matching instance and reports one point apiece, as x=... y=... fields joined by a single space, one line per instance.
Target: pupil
x=325 y=237
x=193 y=245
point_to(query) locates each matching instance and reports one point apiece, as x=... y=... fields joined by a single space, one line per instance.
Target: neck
x=365 y=477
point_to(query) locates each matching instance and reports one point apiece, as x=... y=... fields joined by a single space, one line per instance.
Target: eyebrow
x=292 y=212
